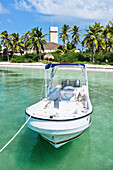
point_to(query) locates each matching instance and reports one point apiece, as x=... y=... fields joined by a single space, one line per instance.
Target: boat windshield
x=67 y=75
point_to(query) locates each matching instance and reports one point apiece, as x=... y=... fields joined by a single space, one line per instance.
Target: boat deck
x=67 y=109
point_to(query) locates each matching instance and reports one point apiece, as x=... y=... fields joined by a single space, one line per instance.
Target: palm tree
x=110 y=34
x=15 y=43
x=67 y=49
x=1 y=54
x=37 y=40
x=110 y=45
x=5 y=41
x=65 y=32
x=106 y=35
x=110 y=27
x=75 y=35
x=25 y=43
x=93 y=37
x=0 y=48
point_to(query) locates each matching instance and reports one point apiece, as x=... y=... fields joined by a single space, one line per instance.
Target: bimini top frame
x=51 y=65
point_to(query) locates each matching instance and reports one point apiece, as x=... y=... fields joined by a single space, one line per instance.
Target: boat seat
x=73 y=83
x=67 y=93
x=77 y=83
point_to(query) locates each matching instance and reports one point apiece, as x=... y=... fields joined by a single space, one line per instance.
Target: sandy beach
x=42 y=65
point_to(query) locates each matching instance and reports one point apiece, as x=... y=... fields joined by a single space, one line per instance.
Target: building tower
x=53 y=34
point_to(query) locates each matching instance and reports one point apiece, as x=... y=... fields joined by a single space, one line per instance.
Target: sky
x=20 y=16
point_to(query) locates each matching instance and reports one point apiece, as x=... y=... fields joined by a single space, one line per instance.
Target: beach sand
x=41 y=65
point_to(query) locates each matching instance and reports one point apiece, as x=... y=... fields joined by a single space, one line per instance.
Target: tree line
x=97 y=39
x=30 y=40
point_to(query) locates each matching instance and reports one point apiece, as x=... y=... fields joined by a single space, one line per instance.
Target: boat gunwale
x=60 y=119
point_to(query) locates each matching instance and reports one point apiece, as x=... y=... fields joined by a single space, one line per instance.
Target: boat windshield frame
x=54 y=69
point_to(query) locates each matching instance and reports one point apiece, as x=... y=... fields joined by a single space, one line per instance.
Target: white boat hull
x=59 y=140
x=59 y=133
x=65 y=112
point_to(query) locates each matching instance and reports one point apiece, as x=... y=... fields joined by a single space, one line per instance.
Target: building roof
x=51 y=46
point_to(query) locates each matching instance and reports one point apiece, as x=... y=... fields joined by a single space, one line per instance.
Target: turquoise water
x=93 y=150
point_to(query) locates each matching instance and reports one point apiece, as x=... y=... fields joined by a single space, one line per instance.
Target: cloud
x=2 y=10
x=88 y=9
x=23 y=5
x=8 y=20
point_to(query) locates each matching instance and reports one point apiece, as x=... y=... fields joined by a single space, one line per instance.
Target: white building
x=53 y=34
x=52 y=45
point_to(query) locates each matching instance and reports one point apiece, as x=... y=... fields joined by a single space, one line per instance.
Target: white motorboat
x=65 y=112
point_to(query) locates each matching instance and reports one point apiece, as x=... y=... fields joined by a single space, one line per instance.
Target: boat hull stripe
x=64 y=140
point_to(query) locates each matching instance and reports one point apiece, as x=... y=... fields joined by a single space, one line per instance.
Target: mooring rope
x=100 y=93
x=15 y=135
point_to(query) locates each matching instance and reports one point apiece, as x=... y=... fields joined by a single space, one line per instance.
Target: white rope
x=100 y=93
x=15 y=135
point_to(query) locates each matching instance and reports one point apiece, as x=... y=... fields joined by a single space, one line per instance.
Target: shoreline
x=42 y=65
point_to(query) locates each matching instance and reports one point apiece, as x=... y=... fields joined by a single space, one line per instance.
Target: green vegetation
x=27 y=58
x=65 y=33
x=97 y=45
x=85 y=57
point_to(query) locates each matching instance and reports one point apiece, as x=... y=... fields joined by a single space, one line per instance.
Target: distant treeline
x=96 y=45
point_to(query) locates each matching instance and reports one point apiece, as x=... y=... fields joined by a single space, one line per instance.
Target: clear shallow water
x=21 y=87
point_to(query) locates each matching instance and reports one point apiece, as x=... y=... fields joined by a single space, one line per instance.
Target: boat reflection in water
x=65 y=112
